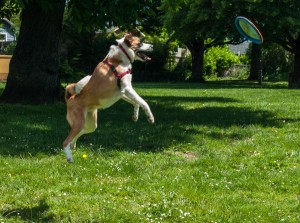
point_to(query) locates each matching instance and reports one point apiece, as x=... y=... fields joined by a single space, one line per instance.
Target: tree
x=34 y=68
x=255 y=68
x=33 y=75
x=199 y=25
x=279 y=22
x=282 y=25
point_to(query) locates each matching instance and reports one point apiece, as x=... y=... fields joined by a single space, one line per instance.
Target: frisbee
x=248 y=30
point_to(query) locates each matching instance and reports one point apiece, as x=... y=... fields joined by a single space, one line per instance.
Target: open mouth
x=144 y=48
x=142 y=56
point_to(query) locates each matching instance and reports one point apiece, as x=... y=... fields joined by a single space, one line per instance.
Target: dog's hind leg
x=82 y=125
x=90 y=121
x=76 y=120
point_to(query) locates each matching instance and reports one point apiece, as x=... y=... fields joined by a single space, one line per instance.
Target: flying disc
x=248 y=30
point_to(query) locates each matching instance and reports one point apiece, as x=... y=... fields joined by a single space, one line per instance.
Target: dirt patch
x=189 y=156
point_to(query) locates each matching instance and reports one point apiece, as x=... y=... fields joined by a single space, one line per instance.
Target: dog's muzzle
x=140 y=52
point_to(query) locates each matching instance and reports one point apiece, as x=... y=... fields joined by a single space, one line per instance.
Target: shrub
x=277 y=63
x=183 y=69
x=218 y=61
x=9 y=49
x=158 y=69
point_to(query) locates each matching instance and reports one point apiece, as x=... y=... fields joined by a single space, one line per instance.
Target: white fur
x=68 y=153
x=80 y=84
x=130 y=95
x=146 y=47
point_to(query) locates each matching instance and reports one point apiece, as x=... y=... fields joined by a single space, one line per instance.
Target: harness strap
x=124 y=51
x=113 y=69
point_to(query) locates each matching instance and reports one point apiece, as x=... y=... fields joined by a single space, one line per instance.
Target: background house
x=7 y=34
x=240 y=49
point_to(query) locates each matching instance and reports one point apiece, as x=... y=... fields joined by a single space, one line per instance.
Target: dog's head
x=136 y=47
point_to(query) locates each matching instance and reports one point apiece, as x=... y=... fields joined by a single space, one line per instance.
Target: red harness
x=113 y=69
x=124 y=51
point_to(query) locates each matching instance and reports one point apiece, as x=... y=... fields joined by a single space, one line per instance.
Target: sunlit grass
x=217 y=153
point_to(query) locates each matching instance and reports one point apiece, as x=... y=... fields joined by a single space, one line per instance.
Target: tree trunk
x=255 y=69
x=294 y=79
x=197 y=47
x=34 y=68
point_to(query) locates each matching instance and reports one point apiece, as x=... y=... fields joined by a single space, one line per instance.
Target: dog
x=110 y=81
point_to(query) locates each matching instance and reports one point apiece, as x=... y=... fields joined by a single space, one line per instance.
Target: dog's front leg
x=130 y=93
x=136 y=107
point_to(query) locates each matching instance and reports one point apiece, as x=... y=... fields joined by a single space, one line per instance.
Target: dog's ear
x=117 y=31
x=137 y=32
x=128 y=39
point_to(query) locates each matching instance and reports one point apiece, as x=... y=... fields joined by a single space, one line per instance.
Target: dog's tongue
x=143 y=56
x=146 y=57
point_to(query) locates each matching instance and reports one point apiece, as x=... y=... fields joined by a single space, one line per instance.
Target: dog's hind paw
x=70 y=160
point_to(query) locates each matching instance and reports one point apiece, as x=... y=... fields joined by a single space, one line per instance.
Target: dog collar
x=113 y=69
x=124 y=51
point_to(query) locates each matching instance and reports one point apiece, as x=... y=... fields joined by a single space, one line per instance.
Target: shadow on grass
x=31 y=130
x=34 y=214
x=223 y=84
x=174 y=125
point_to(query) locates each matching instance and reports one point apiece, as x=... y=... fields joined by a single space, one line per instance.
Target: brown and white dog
x=110 y=81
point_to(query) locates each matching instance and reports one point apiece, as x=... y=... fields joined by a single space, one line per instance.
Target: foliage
x=9 y=49
x=194 y=22
x=158 y=69
x=9 y=8
x=183 y=69
x=218 y=153
x=93 y=15
x=198 y=19
x=277 y=63
x=81 y=52
x=68 y=74
x=283 y=23
x=279 y=22
x=218 y=60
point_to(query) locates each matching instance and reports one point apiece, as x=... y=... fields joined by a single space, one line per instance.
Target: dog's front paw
x=135 y=118
x=151 y=120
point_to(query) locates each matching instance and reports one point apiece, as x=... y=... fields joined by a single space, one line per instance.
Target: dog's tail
x=72 y=89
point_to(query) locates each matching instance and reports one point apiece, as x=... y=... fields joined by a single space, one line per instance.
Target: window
x=2 y=37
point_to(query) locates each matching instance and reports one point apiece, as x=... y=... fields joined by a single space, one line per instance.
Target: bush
x=68 y=74
x=158 y=69
x=183 y=69
x=81 y=52
x=219 y=60
x=9 y=49
x=277 y=63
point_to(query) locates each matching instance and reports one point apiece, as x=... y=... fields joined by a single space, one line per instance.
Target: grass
x=224 y=152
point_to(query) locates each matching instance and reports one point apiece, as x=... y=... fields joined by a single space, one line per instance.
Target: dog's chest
x=107 y=102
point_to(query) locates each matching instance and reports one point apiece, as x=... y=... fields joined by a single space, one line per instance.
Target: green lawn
x=217 y=153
